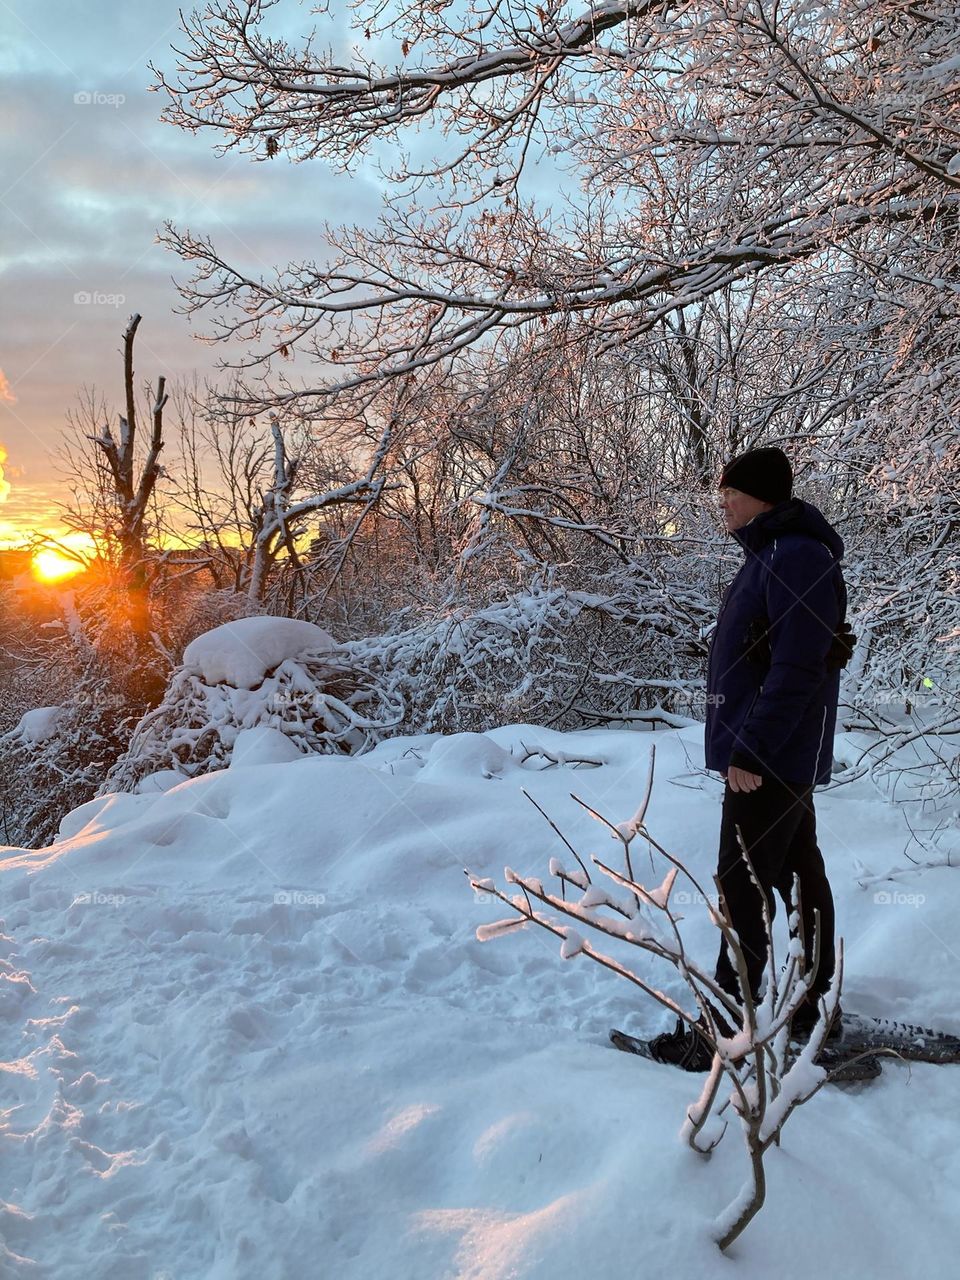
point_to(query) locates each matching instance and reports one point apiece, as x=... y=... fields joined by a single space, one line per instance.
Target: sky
x=87 y=177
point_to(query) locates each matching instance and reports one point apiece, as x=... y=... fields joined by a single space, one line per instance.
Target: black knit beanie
x=763 y=473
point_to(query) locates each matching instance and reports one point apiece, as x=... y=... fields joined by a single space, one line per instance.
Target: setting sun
x=52 y=566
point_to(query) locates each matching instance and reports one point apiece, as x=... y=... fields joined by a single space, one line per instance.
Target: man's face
x=738 y=509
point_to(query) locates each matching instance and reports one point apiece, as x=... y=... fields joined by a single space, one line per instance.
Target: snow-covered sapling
x=750 y=1039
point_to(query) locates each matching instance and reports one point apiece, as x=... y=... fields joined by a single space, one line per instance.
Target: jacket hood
x=792 y=516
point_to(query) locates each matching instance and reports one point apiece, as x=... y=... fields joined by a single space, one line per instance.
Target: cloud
x=6 y=395
x=89 y=186
x=29 y=509
x=4 y=484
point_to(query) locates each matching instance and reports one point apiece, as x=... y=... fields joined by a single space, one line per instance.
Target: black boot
x=682 y=1047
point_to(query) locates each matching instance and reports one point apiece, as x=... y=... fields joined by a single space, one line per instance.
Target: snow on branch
x=261 y=94
x=416 y=314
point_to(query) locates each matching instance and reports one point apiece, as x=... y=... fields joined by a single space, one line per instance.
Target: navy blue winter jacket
x=777 y=717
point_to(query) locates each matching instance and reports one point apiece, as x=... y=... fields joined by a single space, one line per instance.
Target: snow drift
x=251 y=1033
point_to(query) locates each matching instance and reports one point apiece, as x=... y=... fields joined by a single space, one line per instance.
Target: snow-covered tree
x=710 y=143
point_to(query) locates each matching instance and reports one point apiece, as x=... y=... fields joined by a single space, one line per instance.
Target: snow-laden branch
x=421 y=318
x=256 y=92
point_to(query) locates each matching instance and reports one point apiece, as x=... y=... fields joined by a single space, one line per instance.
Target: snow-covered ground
x=249 y=1032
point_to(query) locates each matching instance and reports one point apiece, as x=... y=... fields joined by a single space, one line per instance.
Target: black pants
x=779 y=828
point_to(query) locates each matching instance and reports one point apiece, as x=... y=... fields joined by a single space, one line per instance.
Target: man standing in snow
x=773 y=681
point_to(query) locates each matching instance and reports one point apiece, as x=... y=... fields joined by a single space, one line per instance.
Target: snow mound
x=240 y=653
x=471 y=754
x=39 y=724
x=262 y=745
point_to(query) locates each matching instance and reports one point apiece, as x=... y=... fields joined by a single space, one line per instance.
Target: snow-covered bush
x=56 y=757
x=259 y=672
x=76 y=687
x=546 y=654
x=902 y=687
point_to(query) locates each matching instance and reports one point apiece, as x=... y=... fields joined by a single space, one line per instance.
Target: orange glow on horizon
x=57 y=559
x=50 y=565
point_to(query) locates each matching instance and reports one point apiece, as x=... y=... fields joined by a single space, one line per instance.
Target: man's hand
x=741 y=780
